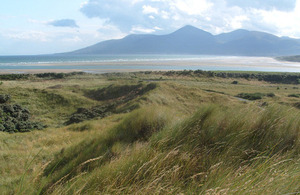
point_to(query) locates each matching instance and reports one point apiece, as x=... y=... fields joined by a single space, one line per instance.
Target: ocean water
x=111 y=63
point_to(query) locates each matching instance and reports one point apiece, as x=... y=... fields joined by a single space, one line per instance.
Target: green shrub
x=270 y=95
x=250 y=96
x=83 y=114
x=15 y=118
x=254 y=96
x=9 y=126
x=4 y=98
x=2 y=128
x=294 y=95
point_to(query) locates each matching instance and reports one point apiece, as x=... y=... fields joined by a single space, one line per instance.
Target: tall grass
x=217 y=150
x=227 y=147
x=137 y=126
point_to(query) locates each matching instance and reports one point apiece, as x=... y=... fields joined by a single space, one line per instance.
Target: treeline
x=285 y=78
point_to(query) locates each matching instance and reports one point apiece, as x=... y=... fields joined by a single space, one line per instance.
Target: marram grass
x=191 y=135
x=218 y=150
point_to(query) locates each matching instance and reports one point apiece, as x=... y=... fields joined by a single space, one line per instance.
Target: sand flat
x=214 y=63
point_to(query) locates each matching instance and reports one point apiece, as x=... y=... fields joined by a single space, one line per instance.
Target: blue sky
x=52 y=26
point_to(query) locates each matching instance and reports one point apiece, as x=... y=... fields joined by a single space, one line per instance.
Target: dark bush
x=254 y=96
x=83 y=114
x=11 y=77
x=251 y=96
x=7 y=108
x=294 y=95
x=234 y=82
x=9 y=126
x=53 y=75
x=4 y=98
x=270 y=95
x=14 y=118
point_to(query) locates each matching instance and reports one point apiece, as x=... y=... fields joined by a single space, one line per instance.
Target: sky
x=52 y=26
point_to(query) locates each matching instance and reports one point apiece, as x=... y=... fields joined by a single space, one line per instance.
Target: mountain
x=191 y=40
x=289 y=58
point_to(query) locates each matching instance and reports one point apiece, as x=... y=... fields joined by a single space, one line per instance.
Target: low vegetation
x=117 y=98
x=15 y=118
x=185 y=132
x=287 y=78
x=295 y=95
x=254 y=96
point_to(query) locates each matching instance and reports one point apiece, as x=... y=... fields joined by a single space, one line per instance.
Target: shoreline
x=261 y=64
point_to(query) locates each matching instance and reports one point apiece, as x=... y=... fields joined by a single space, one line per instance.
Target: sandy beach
x=215 y=63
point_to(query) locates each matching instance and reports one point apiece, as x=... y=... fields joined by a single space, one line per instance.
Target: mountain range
x=192 y=40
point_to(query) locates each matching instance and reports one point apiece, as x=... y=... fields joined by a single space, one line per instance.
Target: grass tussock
x=137 y=126
x=218 y=149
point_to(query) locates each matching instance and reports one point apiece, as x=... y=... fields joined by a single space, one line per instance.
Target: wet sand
x=214 y=63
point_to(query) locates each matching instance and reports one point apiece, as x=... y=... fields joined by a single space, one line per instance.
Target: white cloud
x=237 y=21
x=192 y=7
x=28 y=35
x=282 y=22
x=138 y=29
x=157 y=28
x=147 y=9
x=165 y=15
x=74 y=39
x=108 y=31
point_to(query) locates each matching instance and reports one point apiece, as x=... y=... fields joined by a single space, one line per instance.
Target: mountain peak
x=189 y=27
x=191 y=30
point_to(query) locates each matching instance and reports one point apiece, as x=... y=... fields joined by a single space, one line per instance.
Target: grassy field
x=154 y=133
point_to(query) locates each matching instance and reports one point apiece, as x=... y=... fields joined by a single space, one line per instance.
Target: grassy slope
x=191 y=135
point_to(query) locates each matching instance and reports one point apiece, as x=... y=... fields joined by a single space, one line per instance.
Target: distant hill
x=191 y=40
x=289 y=58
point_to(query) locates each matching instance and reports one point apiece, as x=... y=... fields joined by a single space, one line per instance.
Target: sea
x=117 y=63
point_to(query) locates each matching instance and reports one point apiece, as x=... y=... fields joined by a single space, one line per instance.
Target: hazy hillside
x=290 y=58
x=191 y=40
